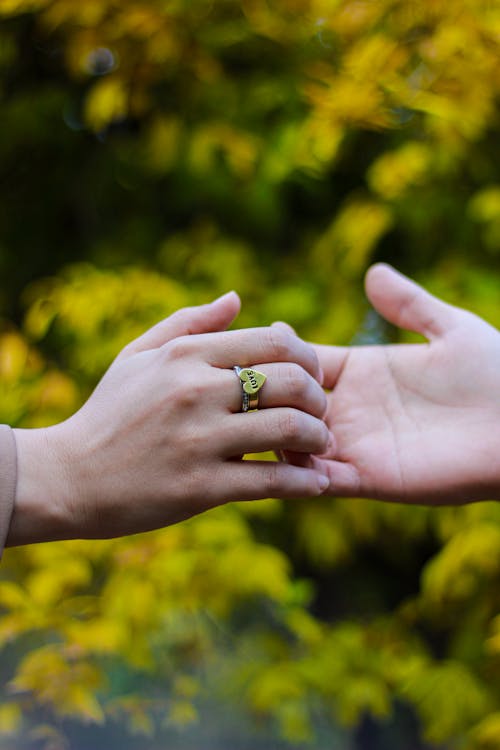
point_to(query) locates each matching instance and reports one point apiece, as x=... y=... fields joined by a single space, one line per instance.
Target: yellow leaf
x=106 y=102
x=163 y=143
x=186 y=686
x=394 y=172
x=274 y=685
x=13 y=357
x=353 y=235
x=13 y=7
x=10 y=718
x=70 y=688
x=182 y=714
x=100 y=635
x=48 y=585
x=12 y=596
x=484 y=206
x=58 y=391
x=82 y=703
x=487 y=733
x=295 y=722
x=471 y=555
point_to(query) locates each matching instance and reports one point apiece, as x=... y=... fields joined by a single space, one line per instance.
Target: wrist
x=488 y=481
x=43 y=491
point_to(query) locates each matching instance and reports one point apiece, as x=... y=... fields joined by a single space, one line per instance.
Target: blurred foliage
x=153 y=154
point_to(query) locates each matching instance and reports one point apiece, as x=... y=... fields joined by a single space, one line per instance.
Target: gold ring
x=251 y=382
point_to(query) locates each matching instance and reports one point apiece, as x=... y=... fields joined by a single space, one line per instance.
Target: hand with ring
x=163 y=435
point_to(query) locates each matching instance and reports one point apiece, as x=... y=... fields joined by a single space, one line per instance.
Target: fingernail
x=323 y=482
x=331 y=447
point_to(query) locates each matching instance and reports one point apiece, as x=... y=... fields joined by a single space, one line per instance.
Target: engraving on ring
x=252 y=380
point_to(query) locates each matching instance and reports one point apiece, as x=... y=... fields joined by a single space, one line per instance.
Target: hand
x=415 y=423
x=162 y=436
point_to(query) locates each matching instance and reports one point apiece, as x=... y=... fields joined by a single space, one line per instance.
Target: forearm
x=488 y=486
x=40 y=504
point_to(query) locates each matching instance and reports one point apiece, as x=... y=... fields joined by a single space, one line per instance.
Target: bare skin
x=415 y=423
x=162 y=436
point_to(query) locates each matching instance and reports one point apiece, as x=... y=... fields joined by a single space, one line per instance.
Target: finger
x=273 y=429
x=254 y=480
x=287 y=384
x=214 y=316
x=288 y=328
x=332 y=360
x=344 y=478
x=297 y=459
x=284 y=327
x=251 y=347
x=306 y=459
x=406 y=304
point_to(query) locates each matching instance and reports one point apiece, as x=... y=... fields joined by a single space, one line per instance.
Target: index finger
x=332 y=360
x=253 y=346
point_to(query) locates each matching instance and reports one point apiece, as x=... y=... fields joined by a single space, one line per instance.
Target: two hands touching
x=162 y=437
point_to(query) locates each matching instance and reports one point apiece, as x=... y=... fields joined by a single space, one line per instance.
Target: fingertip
x=377 y=272
x=331 y=448
x=228 y=296
x=225 y=309
x=406 y=304
x=323 y=483
x=381 y=265
x=387 y=290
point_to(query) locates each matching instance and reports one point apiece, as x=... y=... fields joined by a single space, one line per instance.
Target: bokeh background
x=156 y=153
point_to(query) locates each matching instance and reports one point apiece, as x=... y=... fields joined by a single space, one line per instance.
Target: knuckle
x=177 y=349
x=189 y=393
x=195 y=443
x=192 y=444
x=408 y=303
x=177 y=316
x=272 y=480
x=128 y=350
x=280 y=344
x=314 y=358
x=296 y=380
x=288 y=425
x=185 y=319
x=182 y=313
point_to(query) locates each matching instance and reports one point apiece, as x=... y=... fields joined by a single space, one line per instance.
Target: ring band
x=251 y=382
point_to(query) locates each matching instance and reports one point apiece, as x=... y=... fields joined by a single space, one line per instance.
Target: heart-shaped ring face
x=252 y=380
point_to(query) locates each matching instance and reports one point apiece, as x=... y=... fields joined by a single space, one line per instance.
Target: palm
x=414 y=422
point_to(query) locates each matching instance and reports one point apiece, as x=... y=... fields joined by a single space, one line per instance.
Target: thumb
x=406 y=304
x=214 y=316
